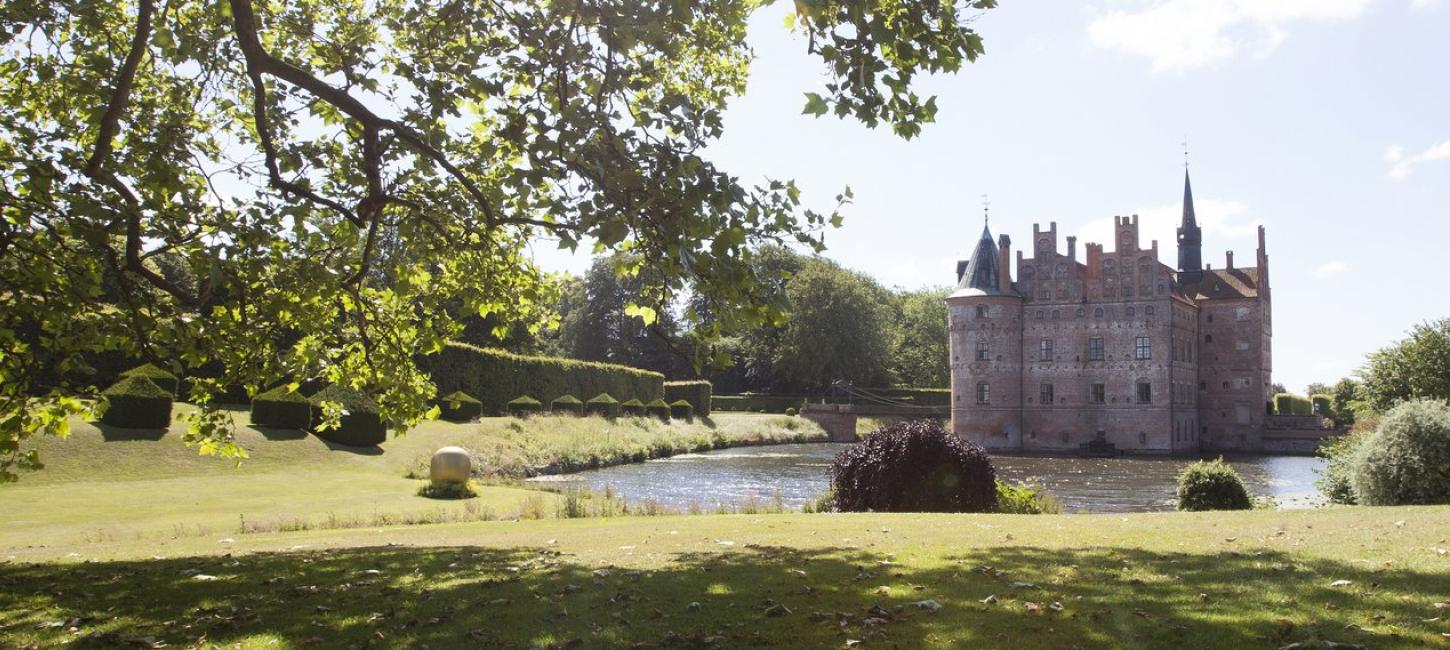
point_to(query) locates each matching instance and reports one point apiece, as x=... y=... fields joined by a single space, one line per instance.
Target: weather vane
x=986 y=210
x=1185 y=151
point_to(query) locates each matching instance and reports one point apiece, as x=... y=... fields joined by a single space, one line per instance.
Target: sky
x=1326 y=121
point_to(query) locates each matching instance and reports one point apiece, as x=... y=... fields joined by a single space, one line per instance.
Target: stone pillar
x=839 y=420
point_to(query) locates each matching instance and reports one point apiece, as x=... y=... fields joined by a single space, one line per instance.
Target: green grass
x=108 y=487
x=1167 y=580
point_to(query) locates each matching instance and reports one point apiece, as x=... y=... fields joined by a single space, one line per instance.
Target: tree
x=839 y=329
x=596 y=325
x=920 y=356
x=1416 y=367
x=1345 y=402
x=271 y=147
x=1317 y=388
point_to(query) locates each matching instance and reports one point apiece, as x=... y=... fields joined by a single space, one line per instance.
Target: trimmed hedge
x=1322 y=405
x=524 y=406
x=696 y=392
x=658 y=408
x=282 y=408
x=633 y=408
x=681 y=410
x=1212 y=485
x=914 y=466
x=603 y=405
x=167 y=381
x=459 y=406
x=360 y=427
x=1291 y=404
x=494 y=377
x=136 y=402
x=567 y=404
x=756 y=403
x=779 y=402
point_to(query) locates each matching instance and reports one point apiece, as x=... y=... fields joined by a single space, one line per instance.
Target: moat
x=800 y=473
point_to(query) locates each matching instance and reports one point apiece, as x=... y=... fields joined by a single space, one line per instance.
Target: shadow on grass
x=373 y=450
x=111 y=433
x=745 y=597
x=275 y=433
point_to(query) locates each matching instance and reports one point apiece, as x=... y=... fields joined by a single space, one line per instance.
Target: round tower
x=984 y=318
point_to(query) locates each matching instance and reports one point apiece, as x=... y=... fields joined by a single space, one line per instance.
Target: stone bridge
x=839 y=420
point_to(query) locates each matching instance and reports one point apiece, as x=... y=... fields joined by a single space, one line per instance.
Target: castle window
x=1148 y=310
x=1208 y=338
x=1039 y=313
x=1045 y=394
x=1210 y=318
x=1055 y=314
x=984 y=393
x=984 y=352
x=1095 y=349
x=1100 y=393
x=1080 y=312
x=1142 y=348
x=981 y=311
x=1098 y=313
x=1145 y=392
x=1046 y=350
x=1132 y=312
x=1043 y=294
x=1142 y=438
x=1127 y=292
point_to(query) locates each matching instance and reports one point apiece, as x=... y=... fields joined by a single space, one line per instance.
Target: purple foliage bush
x=914 y=466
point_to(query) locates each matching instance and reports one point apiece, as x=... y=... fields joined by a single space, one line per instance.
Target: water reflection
x=800 y=473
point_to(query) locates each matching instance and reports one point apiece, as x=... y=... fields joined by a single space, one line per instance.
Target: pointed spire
x=1189 y=219
x=981 y=275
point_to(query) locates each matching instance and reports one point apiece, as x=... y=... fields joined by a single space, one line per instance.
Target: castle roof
x=980 y=276
x=1224 y=283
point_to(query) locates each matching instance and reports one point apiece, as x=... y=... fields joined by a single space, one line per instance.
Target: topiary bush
x=696 y=391
x=603 y=405
x=157 y=375
x=359 y=426
x=136 y=402
x=1290 y=404
x=282 y=408
x=659 y=409
x=459 y=406
x=1212 y=485
x=791 y=411
x=681 y=410
x=567 y=404
x=1406 y=461
x=914 y=466
x=524 y=406
x=1321 y=405
x=632 y=408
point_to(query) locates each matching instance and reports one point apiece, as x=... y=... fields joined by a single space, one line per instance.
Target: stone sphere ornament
x=450 y=465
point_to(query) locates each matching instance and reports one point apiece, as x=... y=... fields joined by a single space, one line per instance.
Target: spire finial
x=986 y=211
x=1185 y=151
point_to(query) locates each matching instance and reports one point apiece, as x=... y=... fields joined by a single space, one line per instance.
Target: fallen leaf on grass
x=1341 y=583
x=928 y=605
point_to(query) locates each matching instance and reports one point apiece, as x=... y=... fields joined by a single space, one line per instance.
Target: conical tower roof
x=981 y=277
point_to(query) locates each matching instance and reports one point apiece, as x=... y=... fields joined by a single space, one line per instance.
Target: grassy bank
x=105 y=487
x=1168 y=580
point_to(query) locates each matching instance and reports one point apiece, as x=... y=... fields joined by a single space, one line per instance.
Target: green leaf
x=815 y=105
x=646 y=314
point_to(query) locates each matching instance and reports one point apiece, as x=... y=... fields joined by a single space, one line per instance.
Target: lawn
x=1212 y=580
x=104 y=486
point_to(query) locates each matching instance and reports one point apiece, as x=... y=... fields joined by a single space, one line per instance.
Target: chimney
x=1072 y=248
x=1004 y=262
x=1230 y=264
x=1094 y=259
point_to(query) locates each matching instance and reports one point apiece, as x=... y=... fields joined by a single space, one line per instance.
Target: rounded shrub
x=157 y=375
x=681 y=410
x=282 y=408
x=1406 y=461
x=791 y=411
x=1212 y=485
x=603 y=405
x=136 y=402
x=633 y=408
x=567 y=404
x=914 y=466
x=658 y=408
x=359 y=426
x=524 y=406
x=459 y=406
x=1322 y=405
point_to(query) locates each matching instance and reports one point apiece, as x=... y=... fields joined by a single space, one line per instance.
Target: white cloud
x=1403 y=165
x=1224 y=224
x=1181 y=34
x=1330 y=269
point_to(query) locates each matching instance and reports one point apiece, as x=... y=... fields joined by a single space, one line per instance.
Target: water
x=800 y=473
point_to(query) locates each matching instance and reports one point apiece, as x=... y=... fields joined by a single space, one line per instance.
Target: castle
x=1118 y=348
